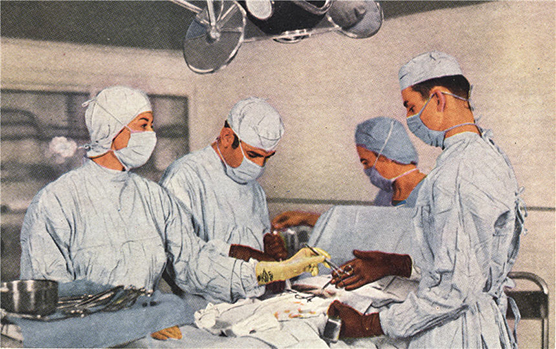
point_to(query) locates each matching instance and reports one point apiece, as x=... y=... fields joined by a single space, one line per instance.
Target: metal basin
x=34 y=297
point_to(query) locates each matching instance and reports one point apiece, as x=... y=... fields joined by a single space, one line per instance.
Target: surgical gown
x=117 y=228
x=465 y=225
x=412 y=198
x=223 y=209
x=384 y=198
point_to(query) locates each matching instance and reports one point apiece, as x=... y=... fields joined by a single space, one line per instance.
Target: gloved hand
x=275 y=246
x=294 y=218
x=370 y=266
x=245 y=252
x=275 y=287
x=347 y=13
x=170 y=332
x=302 y=261
x=355 y=324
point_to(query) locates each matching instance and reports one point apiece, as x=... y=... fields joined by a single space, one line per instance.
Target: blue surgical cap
x=373 y=134
x=428 y=66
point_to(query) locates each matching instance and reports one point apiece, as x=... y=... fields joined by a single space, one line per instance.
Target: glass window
x=30 y=121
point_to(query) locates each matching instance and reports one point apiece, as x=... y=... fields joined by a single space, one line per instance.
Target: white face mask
x=138 y=150
x=246 y=172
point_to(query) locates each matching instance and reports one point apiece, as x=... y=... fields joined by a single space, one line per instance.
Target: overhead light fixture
x=218 y=30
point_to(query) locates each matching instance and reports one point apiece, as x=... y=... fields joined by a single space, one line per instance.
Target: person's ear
x=440 y=99
x=226 y=137
x=121 y=139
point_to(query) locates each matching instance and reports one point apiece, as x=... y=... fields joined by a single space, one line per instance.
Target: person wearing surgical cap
x=219 y=183
x=389 y=160
x=103 y=224
x=468 y=222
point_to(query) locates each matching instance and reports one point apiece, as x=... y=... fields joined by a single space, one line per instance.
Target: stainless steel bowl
x=35 y=297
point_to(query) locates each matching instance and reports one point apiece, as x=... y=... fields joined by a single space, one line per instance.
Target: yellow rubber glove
x=303 y=261
x=170 y=332
x=322 y=252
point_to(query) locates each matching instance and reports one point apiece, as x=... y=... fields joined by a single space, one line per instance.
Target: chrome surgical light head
x=218 y=30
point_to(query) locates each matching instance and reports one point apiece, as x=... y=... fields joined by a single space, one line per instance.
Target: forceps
x=333 y=266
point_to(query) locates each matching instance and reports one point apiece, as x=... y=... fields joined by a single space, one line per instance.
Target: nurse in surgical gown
x=389 y=160
x=114 y=227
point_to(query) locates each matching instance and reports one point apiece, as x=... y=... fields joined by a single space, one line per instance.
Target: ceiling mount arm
x=307 y=6
x=186 y=4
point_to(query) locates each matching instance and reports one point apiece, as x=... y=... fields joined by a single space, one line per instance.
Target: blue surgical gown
x=383 y=198
x=412 y=198
x=465 y=225
x=223 y=209
x=117 y=228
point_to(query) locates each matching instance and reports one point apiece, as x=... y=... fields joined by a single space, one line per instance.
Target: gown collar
x=459 y=138
x=100 y=171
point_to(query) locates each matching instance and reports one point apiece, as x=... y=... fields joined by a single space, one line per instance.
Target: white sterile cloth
x=294 y=318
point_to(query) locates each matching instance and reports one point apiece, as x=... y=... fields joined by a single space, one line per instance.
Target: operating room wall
x=325 y=85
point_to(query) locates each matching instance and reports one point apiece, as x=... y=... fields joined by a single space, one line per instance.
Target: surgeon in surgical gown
x=468 y=222
x=218 y=183
x=390 y=161
x=104 y=224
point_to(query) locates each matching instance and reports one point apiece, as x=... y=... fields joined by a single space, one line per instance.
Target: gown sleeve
x=44 y=239
x=456 y=229
x=204 y=267
x=178 y=181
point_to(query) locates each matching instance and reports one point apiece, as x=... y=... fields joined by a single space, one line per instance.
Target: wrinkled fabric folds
x=257 y=123
x=464 y=226
x=222 y=208
x=117 y=228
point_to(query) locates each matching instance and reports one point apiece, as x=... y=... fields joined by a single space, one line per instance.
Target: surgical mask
x=138 y=150
x=246 y=172
x=431 y=137
x=380 y=181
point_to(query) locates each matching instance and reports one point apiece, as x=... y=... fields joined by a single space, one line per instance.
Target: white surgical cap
x=373 y=133
x=109 y=112
x=256 y=123
x=428 y=66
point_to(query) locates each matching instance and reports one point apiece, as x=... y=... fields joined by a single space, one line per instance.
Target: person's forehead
x=145 y=115
x=408 y=92
x=410 y=95
x=257 y=150
x=366 y=152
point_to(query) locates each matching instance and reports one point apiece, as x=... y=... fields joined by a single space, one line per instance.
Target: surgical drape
x=117 y=228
